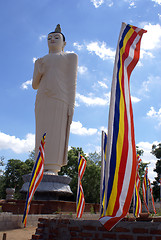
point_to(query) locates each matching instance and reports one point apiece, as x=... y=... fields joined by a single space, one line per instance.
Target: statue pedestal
x=52 y=187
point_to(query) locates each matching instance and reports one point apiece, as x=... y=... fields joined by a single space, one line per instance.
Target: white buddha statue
x=55 y=78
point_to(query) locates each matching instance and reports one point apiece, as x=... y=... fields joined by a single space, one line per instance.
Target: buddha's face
x=55 y=42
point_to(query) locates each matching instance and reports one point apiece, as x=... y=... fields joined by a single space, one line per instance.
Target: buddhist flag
x=121 y=149
x=145 y=189
x=103 y=168
x=80 y=195
x=138 y=160
x=151 y=192
x=36 y=177
x=137 y=209
x=137 y=200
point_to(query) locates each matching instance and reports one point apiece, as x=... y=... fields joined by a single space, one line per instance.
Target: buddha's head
x=56 y=40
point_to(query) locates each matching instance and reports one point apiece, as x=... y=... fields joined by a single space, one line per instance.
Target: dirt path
x=19 y=234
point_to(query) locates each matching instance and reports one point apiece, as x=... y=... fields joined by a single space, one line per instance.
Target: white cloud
x=131 y=3
x=149 y=85
x=155 y=115
x=82 y=69
x=34 y=59
x=139 y=64
x=157 y=1
x=26 y=84
x=148 y=157
x=78 y=46
x=69 y=51
x=77 y=104
x=102 y=128
x=159 y=15
x=144 y=53
x=102 y=84
x=150 y=40
x=91 y=148
x=42 y=37
x=135 y=99
x=17 y=145
x=110 y=4
x=97 y=3
x=93 y=101
x=78 y=129
x=101 y=50
x=146 y=84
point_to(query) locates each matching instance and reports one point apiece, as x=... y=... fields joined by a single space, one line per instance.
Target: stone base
x=52 y=187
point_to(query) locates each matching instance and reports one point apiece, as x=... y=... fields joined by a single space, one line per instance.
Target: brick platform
x=44 y=207
x=70 y=229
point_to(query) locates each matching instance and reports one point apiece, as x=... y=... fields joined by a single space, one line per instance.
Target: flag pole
x=102 y=170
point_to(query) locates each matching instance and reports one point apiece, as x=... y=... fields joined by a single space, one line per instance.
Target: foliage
x=15 y=169
x=156 y=151
x=71 y=169
x=142 y=167
x=1 y=163
x=139 y=151
x=91 y=178
x=32 y=155
x=12 y=177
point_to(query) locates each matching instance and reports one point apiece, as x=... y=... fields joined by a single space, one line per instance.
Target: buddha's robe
x=55 y=78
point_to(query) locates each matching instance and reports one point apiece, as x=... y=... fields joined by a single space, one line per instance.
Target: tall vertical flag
x=137 y=209
x=36 y=177
x=137 y=200
x=145 y=189
x=151 y=193
x=121 y=149
x=103 y=168
x=160 y=186
x=80 y=195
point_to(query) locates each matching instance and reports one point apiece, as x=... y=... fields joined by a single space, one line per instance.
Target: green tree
x=142 y=167
x=1 y=163
x=71 y=169
x=139 y=151
x=156 y=151
x=12 y=177
x=32 y=155
x=91 y=177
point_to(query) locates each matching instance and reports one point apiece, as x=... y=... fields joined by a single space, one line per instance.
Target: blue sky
x=91 y=28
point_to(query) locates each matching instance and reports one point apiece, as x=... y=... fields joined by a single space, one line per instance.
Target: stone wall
x=68 y=229
x=9 y=221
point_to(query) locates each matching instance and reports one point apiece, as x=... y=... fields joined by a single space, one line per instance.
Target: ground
x=21 y=234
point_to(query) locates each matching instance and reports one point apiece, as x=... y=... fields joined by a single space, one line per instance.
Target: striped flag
x=137 y=209
x=80 y=195
x=103 y=168
x=145 y=189
x=151 y=192
x=121 y=149
x=138 y=160
x=36 y=177
x=137 y=199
